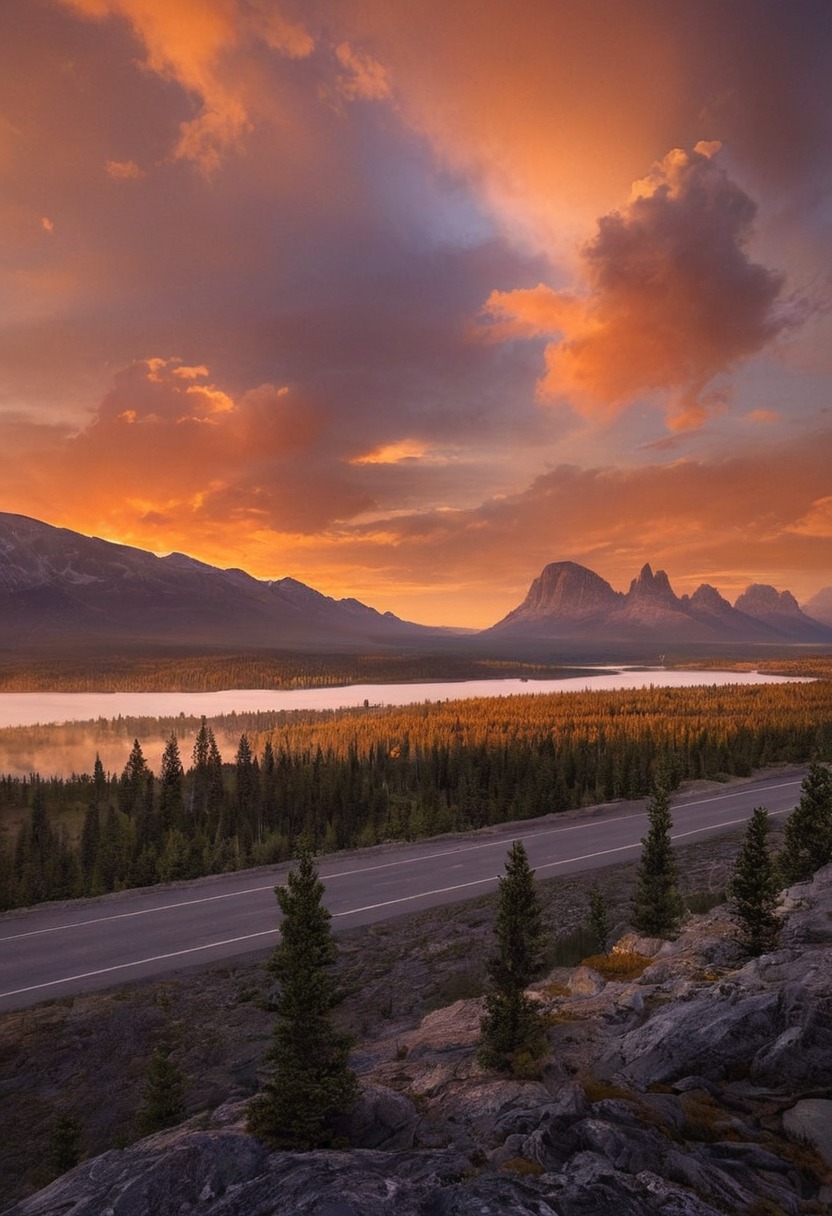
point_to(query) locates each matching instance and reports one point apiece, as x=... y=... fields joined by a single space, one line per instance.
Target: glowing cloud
x=672 y=298
x=123 y=170
x=367 y=79
x=393 y=453
x=188 y=41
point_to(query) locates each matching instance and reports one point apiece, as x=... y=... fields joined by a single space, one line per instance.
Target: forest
x=345 y=779
x=200 y=672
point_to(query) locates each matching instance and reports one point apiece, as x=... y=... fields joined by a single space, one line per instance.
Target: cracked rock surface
x=700 y=1087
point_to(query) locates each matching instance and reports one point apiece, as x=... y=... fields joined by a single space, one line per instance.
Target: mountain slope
x=571 y=603
x=58 y=587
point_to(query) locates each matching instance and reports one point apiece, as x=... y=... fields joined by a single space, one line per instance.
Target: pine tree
x=807 y=841
x=171 y=783
x=133 y=781
x=164 y=1094
x=599 y=918
x=511 y=1032
x=657 y=905
x=311 y=1085
x=754 y=889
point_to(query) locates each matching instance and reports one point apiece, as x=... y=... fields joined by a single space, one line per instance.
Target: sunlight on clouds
x=212 y=399
x=817 y=521
x=368 y=80
x=671 y=299
x=188 y=41
x=123 y=170
x=393 y=453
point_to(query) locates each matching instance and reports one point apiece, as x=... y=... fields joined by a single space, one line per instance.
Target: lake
x=29 y=708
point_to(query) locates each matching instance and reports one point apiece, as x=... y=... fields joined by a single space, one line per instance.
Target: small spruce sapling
x=754 y=889
x=657 y=905
x=164 y=1094
x=600 y=921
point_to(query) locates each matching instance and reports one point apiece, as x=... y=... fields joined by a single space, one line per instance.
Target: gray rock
x=810 y=1122
x=382 y=1118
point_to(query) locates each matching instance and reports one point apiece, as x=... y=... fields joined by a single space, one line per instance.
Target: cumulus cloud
x=672 y=298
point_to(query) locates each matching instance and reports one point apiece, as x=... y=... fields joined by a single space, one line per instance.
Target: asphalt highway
x=57 y=950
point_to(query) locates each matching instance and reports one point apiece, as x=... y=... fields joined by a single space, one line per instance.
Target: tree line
x=355 y=779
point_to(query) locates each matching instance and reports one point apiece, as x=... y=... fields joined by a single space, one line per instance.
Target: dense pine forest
x=202 y=672
x=355 y=778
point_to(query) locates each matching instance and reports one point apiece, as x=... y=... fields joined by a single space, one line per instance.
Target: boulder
x=810 y=1122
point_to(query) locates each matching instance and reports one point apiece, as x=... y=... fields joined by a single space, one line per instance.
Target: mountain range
x=60 y=589
x=568 y=601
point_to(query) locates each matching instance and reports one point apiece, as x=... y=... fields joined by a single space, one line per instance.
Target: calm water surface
x=27 y=708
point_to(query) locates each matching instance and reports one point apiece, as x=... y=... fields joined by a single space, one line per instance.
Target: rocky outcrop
x=819 y=607
x=702 y=1086
x=569 y=601
x=780 y=611
x=564 y=595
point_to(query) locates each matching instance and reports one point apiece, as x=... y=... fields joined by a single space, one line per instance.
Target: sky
x=407 y=300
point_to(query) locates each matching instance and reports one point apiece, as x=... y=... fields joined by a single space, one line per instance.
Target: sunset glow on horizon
x=408 y=301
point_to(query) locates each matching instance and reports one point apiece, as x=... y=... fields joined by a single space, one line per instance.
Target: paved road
x=56 y=950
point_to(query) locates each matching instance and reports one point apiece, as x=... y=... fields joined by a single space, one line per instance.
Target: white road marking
x=456 y=850
x=156 y=958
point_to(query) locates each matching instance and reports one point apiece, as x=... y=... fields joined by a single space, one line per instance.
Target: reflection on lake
x=28 y=708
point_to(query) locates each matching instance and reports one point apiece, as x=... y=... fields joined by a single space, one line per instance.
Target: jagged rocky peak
x=761 y=600
x=707 y=599
x=652 y=586
x=570 y=590
x=820 y=606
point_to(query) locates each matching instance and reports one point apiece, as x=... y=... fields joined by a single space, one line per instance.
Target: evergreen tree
x=89 y=843
x=511 y=1032
x=171 y=782
x=657 y=905
x=754 y=889
x=66 y=1142
x=99 y=782
x=807 y=841
x=599 y=918
x=164 y=1094
x=246 y=776
x=311 y=1085
x=132 y=786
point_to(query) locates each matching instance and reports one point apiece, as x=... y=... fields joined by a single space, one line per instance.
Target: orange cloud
x=817 y=521
x=189 y=41
x=672 y=298
x=123 y=170
x=366 y=79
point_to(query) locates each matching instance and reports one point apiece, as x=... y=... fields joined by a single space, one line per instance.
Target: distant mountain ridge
x=568 y=601
x=58 y=587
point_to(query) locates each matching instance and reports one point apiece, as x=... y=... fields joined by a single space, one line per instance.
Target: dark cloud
x=673 y=297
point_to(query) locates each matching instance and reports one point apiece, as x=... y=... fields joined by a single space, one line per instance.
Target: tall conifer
x=311 y=1085
x=807 y=843
x=511 y=1026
